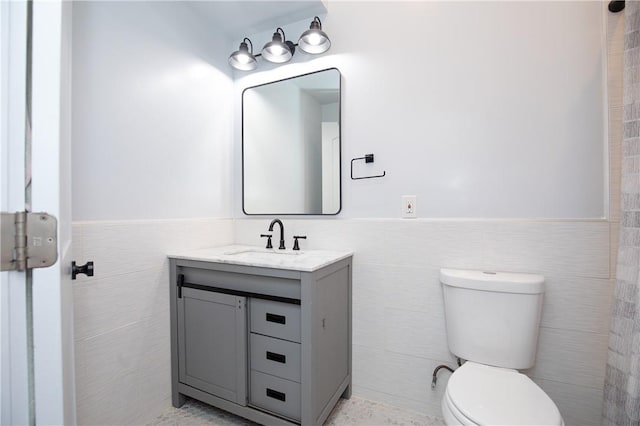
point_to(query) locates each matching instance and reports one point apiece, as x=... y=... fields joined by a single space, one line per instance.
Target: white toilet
x=492 y=323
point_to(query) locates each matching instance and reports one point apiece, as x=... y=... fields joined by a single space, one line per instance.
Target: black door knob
x=86 y=269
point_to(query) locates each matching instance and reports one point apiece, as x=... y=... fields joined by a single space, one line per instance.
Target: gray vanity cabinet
x=271 y=345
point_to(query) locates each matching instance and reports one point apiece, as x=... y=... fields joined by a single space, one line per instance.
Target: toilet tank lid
x=506 y=282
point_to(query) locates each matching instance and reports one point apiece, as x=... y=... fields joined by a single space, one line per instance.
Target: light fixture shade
x=243 y=59
x=314 y=40
x=277 y=50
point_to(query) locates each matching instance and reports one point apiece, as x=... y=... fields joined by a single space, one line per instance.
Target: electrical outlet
x=409 y=206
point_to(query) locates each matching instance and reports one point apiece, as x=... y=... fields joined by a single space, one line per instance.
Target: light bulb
x=314 y=39
x=243 y=59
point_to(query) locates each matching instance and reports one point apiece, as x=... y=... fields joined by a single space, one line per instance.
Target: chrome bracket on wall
x=368 y=158
x=28 y=240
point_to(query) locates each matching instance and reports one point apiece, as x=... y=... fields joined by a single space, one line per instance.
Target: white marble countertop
x=303 y=260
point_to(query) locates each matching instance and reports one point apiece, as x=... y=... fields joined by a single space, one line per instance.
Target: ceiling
x=239 y=18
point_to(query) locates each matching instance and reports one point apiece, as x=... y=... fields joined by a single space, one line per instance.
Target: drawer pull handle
x=280 y=319
x=276 y=395
x=271 y=356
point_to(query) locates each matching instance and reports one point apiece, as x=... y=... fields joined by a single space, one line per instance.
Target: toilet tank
x=493 y=317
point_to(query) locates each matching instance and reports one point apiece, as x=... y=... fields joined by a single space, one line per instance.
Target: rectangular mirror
x=291 y=146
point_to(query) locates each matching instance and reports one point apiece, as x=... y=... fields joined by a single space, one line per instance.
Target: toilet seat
x=484 y=395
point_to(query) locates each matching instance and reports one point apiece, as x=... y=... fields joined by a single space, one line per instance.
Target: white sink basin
x=263 y=252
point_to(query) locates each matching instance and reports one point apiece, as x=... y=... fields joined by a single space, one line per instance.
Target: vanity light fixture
x=280 y=50
x=314 y=40
x=243 y=59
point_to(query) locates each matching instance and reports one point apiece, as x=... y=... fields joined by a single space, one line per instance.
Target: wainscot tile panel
x=398 y=316
x=432 y=243
x=122 y=314
x=129 y=246
x=615 y=67
x=577 y=303
x=615 y=239
x=579 y=405
x=399 y=309
x=578 y=248
x=119 y=373
x=398 y=313
x=401 y=380
x=571 y=357
x=416 y=333
x=113 y=302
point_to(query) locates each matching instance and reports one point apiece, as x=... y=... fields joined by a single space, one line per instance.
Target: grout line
x=575 y=331
x=154 y=221
x=600 y=388
x=85 y=339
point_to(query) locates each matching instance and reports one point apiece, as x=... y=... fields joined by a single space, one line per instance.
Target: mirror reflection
x=291 y=145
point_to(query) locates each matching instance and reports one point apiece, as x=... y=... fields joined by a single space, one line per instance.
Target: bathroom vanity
x=264 y=334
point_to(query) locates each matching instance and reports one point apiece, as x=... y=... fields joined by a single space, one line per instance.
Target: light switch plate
x=409 y=206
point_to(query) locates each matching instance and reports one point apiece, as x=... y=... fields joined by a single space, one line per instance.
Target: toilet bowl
x=479 y=394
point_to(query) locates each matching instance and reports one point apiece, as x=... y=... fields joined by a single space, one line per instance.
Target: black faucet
x=279 y=222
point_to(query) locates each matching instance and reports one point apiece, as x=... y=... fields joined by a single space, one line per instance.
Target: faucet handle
x=268 y=236
x=296 y=246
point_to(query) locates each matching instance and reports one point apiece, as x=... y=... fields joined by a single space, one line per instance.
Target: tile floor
x=355 y=411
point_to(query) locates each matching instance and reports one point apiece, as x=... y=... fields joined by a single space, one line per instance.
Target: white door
x=36 y=176
x=14 y=371
x=330 y=167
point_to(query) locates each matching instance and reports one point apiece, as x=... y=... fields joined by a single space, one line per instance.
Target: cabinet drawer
x=275 y=394
x=275 y=319
x=276 y=357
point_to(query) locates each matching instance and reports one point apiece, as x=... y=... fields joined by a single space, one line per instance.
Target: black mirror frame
x=339 y=141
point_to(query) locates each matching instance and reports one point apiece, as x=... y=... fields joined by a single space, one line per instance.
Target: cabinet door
x=212 y=343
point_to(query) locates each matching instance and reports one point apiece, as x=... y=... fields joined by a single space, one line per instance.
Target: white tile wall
x=564 y=248
x=592 y=314
x=580 y=405
x=615 y=66
x=109 y=303
x=398 y=379
x=571 y=357
x=398 y=318
x=122 y=331
x=122 y=314
x=122 y=375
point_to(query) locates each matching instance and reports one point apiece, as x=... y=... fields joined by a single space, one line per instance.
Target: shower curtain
x=622 y=381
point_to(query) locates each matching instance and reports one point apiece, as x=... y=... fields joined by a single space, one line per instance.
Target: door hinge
x=28 y=240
